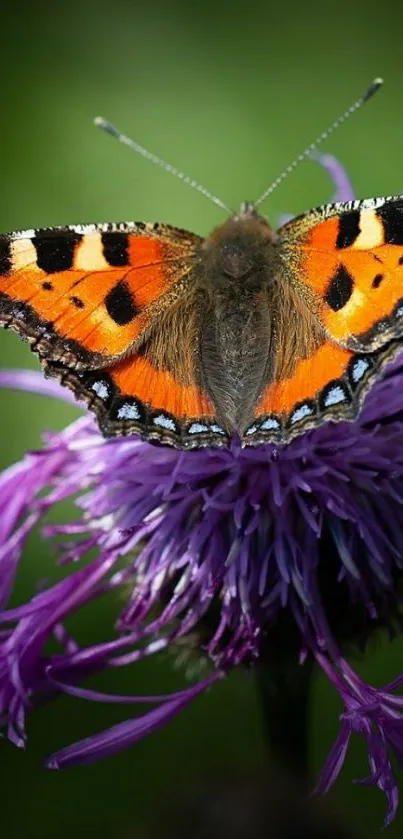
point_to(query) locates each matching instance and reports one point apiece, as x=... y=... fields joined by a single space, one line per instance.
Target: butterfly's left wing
x=88 y=298
x=345 y=261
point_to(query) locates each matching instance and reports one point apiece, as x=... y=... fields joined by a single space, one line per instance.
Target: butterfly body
x=237 y=278
x=188 y=341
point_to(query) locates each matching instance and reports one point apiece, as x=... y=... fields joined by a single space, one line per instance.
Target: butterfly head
x=237 y=249
x=247 y=208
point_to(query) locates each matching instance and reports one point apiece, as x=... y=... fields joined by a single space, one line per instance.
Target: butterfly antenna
x=369 y=93
x=110 y=129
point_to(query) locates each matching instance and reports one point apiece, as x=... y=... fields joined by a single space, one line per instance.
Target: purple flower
x=212 y=548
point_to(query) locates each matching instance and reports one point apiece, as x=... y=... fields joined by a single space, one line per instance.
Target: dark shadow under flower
x=252 y=806
x=217 y=547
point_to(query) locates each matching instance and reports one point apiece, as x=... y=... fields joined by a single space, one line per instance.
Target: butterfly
x=188 y=341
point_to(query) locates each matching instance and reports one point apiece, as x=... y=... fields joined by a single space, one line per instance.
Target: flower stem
x=284 y=688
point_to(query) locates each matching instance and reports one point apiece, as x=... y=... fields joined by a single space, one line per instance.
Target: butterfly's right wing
x=344 y=264
x=85 y=295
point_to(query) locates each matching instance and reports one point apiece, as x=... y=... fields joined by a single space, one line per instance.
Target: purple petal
x=344 y=190
x=124 y=734
x=34 y=381
x=334 y=762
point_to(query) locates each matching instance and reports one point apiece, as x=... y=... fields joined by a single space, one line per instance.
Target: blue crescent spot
x=101 y=389
x=19 y=314
x=335 y=396
x=197 y=428
x=359 y=369
x=270 y=424
x=217 y=428
x=128 y=411
x=164 y=422
x=300 y=413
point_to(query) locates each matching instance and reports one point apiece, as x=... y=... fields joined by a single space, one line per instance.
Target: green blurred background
x=229 y=92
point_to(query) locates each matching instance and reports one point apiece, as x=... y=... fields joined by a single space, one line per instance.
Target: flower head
x=212 y=546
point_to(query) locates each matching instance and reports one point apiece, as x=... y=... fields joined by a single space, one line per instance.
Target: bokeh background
x=230 y=92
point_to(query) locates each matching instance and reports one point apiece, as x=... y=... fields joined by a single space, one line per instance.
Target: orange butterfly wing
x=329 y=385
x=134 y=397
x=346 y=262
x=85 y=295
x=87 y=298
